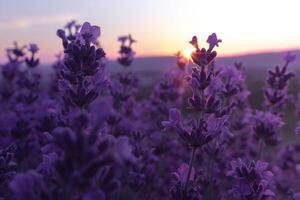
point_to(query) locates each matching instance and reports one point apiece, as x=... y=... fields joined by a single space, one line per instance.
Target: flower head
x=90 y=33
x=32 y=61
x=266 y=127
x=126 y=52
x=252 y=181
x=122 y=38
x=202 y=132
x=15 y=53
x=203 y=57
x=33 y=48
x=213 y=41
x=178 y=190
x=289 y=57
x=194 y=42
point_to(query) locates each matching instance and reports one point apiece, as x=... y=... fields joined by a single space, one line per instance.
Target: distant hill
x=163 y=63
x=260 y=59
x=151 y=68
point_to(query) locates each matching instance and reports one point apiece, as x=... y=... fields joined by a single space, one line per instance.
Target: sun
x=187 y=53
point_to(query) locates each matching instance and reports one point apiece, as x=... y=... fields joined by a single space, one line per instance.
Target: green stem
x=190 y=168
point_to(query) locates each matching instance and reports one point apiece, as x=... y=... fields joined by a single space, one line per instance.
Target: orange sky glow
x=161 y=27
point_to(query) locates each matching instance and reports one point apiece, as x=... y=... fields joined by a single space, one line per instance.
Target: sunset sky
x=161 y=26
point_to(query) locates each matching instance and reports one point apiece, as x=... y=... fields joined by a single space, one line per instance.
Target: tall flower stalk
x=206 y=102
x=82 y=76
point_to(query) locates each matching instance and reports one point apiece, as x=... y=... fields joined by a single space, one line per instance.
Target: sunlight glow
x=187 y=53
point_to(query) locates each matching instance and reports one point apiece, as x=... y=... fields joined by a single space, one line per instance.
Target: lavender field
x=99 y=123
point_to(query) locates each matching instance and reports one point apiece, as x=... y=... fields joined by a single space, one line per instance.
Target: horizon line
x=229 y=55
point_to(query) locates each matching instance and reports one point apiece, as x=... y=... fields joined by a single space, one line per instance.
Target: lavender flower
x=89 y=33
x=126 y=52
x=32 y=62
x=266 y=127
x=174 y=119
x=203 y=57
x=276 y=92
x=178 y=192
x=252 y=181
x=82 y=77
x=210 y=125
x=83 y=159
x=289 y=57
x=16 y=53
x=213 y=41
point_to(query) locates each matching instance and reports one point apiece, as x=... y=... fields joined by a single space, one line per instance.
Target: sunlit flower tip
x=213 y=40
x=90 y=33
x=194 y=42
x=289 y=57
x=33 y=48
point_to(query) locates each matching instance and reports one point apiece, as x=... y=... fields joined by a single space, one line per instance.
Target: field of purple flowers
x=87 y=136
